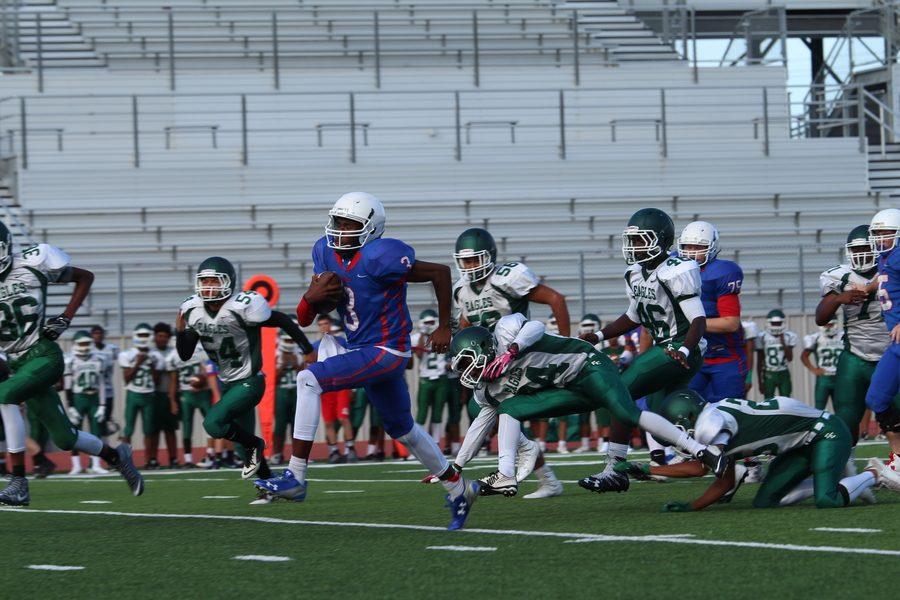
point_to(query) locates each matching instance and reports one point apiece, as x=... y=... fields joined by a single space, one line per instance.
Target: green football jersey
x=288 y=379
x=502 y=293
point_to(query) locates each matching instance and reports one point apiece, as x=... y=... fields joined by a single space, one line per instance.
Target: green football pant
x=166 y=420
x=603 y=417
x=235 y=407
x=36 y=430
x=33 y=380
x=192 y=401
x=850 y=386
x=824 y=391
x=776 y=383
x=285 y=407
x=597 y=386
x=143 y=404
x=433 y=394
x=572 y=429
x=87 y=405
x=824 y=459
x=358 y=407
x=454 y=401
x=655 y=374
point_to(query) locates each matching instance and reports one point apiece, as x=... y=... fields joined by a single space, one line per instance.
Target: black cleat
x=605 y=481
x=15 y=493
x=125 y=466
x=254 y=459
x=714 y=459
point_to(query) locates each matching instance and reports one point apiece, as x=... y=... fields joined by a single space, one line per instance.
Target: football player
x=288 y=362
x=188 y=390
x=724 y=362
x=141 y=367
x=664 y=298
x=825 y=347
x=434 y=387
x=805 y=441
x=335 y=404
x=84 y=375
x=882 y=397
x=364 y=276
x=519 y=372
x=751 y=331
x=111 y=352
x=774 y=352
x=36 y=362
x=227 y=325
x=167 y=408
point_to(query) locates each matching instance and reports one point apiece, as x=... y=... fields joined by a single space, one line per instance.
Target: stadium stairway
x=61 y=41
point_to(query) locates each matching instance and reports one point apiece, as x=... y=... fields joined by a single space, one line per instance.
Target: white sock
x=95 y=462
x=422 y=446
x=542 y=445
x=652 y=444
x=297 y=466
x=454 y=448
x=546 y=474
x=436 y=432
x=804 y=490
x=309 y=407
x=370 y=449
x=76 y=462
x=14 y=427
x=332 y=448
x=857 y=484
x=508 y=432
x=615 y=452
x=585 y=442
x=188 y=457
x=659 y=427
x=850 y=467
x=210 y=452
x=88 y=443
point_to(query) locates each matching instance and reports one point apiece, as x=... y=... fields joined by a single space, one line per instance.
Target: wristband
x=685 y=351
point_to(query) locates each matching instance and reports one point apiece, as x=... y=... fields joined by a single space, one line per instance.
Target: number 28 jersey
x=502 y=293
x=231 y=337
x=826 y=348
x=654 y=298
x=23 y=296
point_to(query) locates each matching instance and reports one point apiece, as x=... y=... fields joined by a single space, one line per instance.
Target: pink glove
x=498 y=366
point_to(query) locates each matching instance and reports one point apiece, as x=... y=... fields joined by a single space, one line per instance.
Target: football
x=332 y=302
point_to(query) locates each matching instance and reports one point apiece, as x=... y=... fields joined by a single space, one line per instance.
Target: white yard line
x=262 y=558
x=55 y=568
x=592 y=537
x=846 y=529
x=345 y=491
x=219 y=497
x=463 y=548
x=96 y=502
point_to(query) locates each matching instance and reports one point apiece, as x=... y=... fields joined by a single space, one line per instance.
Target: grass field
x=371 y=530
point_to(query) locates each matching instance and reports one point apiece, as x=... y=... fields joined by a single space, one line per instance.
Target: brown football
x=327 y=306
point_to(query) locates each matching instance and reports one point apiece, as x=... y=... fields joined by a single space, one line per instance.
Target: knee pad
x=306 y=377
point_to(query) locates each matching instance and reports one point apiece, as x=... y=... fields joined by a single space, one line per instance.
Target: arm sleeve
x=631 y=311
x=286 y=324
x=692 y=307
x=506 y=330
x=391 y=260
x=730 y=281
x=530 y=333
x=185 y=343
x=683 y=280
x=123 y=361
x=475 y=435
x=52 y=261
x=750 y=330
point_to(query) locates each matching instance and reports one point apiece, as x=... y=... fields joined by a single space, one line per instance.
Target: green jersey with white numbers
x=231 y=336
x=23 y=296
x=655 y=296
x=288 y=379
x=773 y=426
x=502 y=293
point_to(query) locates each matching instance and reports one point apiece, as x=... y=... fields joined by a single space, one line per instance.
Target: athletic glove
x=889 y=419
x=498 y=365
x=54 y=327
x=674 y=506
x=100 y=414
x=74 y=415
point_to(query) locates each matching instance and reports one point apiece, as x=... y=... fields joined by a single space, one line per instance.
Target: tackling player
x=227 y=326
x=774 y=352
x=364 y=276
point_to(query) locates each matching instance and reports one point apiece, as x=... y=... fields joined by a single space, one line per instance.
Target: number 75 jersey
x=231 y=337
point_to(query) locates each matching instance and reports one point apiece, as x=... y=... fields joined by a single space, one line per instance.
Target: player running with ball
x=364 y=276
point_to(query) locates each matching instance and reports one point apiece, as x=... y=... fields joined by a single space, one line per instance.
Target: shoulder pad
x=514 y=279
x=711 y=423
x=44 y=257
x=191 y=302
x=832 y=279
x=675 y=266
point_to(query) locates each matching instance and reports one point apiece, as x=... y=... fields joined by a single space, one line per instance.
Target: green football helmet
x=428 y=321
x=860 y=251
x=142 y=336
x=215 y=280
x=589 y=324
x=650 y=233
x=82 y=344
x=682 y=408
x=475 y=243
x=471 y=350
x=775 y=322
x=6 y=247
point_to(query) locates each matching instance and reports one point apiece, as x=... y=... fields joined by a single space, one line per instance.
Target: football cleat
x=461 y=505
x=254 y=459
x=351 y=456
x=43 y=468
x=287 y=486
x=605 y=481
x=497 y=483
x=740 y=474
x=76 y=470
x=190 y=465
x=548 y=489
x=526 y=457
x=335 y=458
x=97 y=471
x=714 y=459
x=562 y=448
x=886 y=476
x=262 y=497
x=128 y=471
x=15 y=493
x=581 y=450
x=276 y=459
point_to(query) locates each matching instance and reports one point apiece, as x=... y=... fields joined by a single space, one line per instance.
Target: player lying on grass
x=364 y=276
x=526 y=374
x=805 y=441
x=227 y=326
x=36 y=362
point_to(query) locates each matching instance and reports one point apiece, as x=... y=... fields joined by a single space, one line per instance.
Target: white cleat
x=548 y=489
x=76 y=470
x=887 y=477
x=497 y=483
x=561 y=448
x=97 y=471
x=526 y=457
x=581 y=450
x=603 y=448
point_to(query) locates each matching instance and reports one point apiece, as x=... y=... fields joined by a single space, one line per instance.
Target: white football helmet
x=361 y=207
x=428 y=322
x=589 y=324
x=142 y=336
x=830 y=329
x=83 y=344
x=887 y=222
x=699 y=233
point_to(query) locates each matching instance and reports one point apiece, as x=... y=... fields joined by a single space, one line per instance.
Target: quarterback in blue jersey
x=884 y=234
x=725 y=361
x=364 y=276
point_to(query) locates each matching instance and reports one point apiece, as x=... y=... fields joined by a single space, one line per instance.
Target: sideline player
x=825 y=347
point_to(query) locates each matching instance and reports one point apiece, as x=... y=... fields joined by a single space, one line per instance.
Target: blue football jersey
x=374 y=309
x=721 y=278
x=889 y=287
